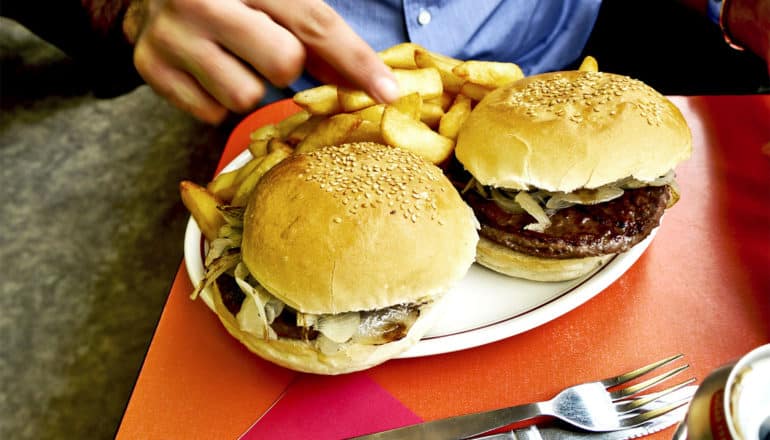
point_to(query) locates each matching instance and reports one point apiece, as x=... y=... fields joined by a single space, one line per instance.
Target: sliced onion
x=273 y=308
x=505 y=202
x=534 y=209
x=602 y=194
x=217 y=267
x=218 y=247
x=306 y=319
x=260 y=297
x=232 y=233
x=481 y=189
x=339 y=327
x=386 y=325
x=250 y=320
x=631 y=183
x=326 y=345
x=233 y=215
x=675 y=191
x=271 y=305
x=471 y=184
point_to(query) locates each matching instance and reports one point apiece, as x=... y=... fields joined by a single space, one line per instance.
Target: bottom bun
x=515 y=264
x=303 y=356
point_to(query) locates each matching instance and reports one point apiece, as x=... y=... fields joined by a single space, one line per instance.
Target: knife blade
x=555 y=433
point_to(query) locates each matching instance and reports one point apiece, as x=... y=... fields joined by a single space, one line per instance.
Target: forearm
x=90 y=31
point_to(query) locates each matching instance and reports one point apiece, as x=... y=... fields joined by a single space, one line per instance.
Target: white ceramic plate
x=484 y=307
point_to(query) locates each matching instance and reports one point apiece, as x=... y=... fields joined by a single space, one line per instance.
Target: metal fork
x=592 y=406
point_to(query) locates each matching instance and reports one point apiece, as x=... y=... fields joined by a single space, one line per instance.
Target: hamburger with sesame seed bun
x=566 y=169
x=344 y=255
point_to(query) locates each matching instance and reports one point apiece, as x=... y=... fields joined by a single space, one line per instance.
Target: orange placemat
x=702 y=288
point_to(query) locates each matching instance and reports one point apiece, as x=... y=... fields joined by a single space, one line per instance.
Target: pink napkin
x=331 y=407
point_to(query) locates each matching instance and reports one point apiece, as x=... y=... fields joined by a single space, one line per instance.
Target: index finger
x=322 y=30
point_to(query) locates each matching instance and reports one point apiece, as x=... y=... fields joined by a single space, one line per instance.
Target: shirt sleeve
x=95 y=42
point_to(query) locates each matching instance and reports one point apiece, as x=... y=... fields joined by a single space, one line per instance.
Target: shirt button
x=423 y=17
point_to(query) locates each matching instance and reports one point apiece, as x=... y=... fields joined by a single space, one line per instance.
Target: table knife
x=562 y=433
x=669 y=418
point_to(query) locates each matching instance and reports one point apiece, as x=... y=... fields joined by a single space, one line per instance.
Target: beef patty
x=578 y=231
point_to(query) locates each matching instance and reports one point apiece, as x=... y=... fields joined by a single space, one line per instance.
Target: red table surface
x=702 y=288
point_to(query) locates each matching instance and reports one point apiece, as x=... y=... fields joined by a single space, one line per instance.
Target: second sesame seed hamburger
x=346 y=253
x=566 y=169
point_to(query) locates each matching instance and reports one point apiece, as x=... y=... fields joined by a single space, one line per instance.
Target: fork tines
x=639 y=372
x=627 y=398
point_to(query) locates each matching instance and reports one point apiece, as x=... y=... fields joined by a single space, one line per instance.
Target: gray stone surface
x=91 y=230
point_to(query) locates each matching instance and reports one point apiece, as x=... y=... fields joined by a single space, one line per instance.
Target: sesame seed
x=586 y=96
x=366 y=176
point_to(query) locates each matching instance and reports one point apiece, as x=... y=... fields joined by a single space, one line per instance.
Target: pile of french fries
x=437 y=95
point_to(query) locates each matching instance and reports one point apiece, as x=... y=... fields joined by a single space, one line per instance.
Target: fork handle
x=464 y=426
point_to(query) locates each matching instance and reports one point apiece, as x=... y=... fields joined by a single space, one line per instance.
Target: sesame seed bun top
x=356 y=227
x=563 y=131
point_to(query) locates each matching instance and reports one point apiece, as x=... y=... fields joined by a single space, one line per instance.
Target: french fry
x=302 y=130
x=400 y=56
x=445 y=100
x=272 y=159
x=490 y=74
x=246 y=169
x=410 y=104
x=258 y=147
x=474 y=91
x=267 y=131
x=331 y=131
x=373 y=113
x=259 y=138
x=431 y=114
x=202 y=204
x=321 y=100
x=444 y=64
x=399 y=130
x=351 y=100
x=589 y=64
x=224 y=185
x=288 y=124
x=454 y=118
x=275 y=144
x=426 y=82
x=366 y=131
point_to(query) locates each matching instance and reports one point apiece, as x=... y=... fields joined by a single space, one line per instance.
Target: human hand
x=209 y=57
x=748 y=22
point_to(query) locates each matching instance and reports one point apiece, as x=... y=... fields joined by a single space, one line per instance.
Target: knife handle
x=464 y=426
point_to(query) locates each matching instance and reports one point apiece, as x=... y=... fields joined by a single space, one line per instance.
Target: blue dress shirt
x=538 y=35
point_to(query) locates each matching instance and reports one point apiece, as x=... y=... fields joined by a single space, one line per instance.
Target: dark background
x=674 y=49
x=92 y=226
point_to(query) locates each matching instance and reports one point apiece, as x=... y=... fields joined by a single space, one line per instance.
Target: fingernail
x=385 y=89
